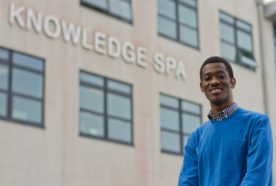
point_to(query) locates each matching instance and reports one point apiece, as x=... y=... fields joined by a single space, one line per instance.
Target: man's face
x=216 y=84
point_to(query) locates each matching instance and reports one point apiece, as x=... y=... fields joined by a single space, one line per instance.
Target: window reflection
x=27 y=83
x=26 y=110
x=22 y=94
x=105 y=108
x=117 y=8
x=119 y=106
x=236 y=41
x=4 y=75
x=177 y=20
x=3 y=104
x=91 y=124
x=178 y=119
x=119 y=130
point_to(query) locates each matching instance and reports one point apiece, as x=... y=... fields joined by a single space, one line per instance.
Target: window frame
x=105 y=114
x=179 y=24
x=11 y=94
x=180 y=111
x=274 y=41
x=107 y=12
x=238 y=49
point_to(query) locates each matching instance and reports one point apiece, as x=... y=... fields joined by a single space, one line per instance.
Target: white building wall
x=57 y=155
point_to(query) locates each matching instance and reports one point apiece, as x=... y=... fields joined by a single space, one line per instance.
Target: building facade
x=106 y=93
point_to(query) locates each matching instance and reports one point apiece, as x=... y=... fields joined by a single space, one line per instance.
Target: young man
x=234 y=147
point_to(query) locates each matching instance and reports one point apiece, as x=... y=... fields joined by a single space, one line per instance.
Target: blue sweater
x=236 y=151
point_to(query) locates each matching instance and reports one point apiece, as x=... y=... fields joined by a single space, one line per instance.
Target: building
x=105 y=93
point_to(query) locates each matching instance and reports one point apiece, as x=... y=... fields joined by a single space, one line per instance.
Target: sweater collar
x=223 y=114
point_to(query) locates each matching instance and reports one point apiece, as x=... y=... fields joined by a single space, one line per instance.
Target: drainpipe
x=259 y=4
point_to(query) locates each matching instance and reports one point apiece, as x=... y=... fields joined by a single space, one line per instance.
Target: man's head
x=217 y=59
x=217 y=81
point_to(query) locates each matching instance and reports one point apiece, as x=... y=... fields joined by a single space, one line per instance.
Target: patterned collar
x=224 y=113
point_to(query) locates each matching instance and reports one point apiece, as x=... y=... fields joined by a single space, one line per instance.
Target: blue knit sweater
x=236 y=151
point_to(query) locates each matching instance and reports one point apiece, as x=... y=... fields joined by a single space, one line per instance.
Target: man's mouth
x=216 y=91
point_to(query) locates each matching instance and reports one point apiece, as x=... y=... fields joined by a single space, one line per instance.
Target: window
x=177 y=20
x=120 y=9
x=21 y=88
x=274 y=40
x=236 y=41
x=105 y=109
x=178 y=119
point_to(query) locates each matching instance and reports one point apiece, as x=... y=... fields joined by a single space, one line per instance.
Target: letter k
x=15 y=15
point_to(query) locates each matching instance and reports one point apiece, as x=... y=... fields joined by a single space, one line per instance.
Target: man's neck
x=218 y=108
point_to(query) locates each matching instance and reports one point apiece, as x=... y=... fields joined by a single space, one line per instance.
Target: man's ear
x=233 y=83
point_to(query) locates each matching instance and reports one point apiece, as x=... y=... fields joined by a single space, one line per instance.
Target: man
x=234 y=147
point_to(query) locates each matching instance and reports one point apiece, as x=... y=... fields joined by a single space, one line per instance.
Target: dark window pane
x=170 y=141
x=169 y=101
x=228 y=51
x=274 y=38
x=177 y=20
x=4 y=54
x=97 y=3
x=190 y=123
x=275 y=52
x=248 y=61
x=226 y=18
x=27 y=61
x=246 y=58
x=120 y=8
x=243 y=26
x=119 y=106
x=227 y=33
x=176 y=124
x=26 y=109
x=188 y=36
x=91 y=124
x=4 y=76
x=119 y=130
x=169 y=119
x=167 y=27
x=189 y=2
x=3 y=104
x=91 y=99
x=105 y=112
x=167 y=8
x=27 y=83
x=187 y=16
x=190 y=107
x=120 y=87
x=92 y=79
x=244 y=41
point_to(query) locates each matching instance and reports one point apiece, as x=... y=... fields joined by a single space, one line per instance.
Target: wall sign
x=99 y=42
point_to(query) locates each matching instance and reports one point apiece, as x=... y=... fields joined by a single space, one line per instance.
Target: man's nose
x=214 y=81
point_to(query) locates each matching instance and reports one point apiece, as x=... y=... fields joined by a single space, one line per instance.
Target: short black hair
x=217 y=59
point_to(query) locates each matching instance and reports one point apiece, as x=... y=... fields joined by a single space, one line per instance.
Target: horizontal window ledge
x=22 y=122
x=104 y=139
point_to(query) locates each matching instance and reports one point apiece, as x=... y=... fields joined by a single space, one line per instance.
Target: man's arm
x=259 y=157
x=189 y=172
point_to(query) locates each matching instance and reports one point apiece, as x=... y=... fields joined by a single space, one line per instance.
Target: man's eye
x=207 y=78
x=221 y=76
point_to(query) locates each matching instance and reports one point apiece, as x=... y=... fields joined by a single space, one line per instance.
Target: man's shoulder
x=252 y=114
x=200 y=129
x=254 y=119
x=195 y=136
